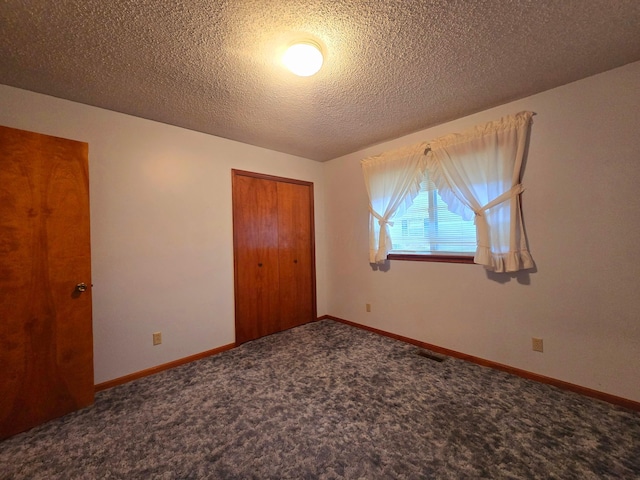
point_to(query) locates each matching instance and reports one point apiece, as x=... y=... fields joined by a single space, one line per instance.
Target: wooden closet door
x=46 y=344
x=274 y=256
x=255 y=234
x=295 y=252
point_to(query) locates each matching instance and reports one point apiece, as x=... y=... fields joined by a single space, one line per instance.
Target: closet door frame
x=238 y=173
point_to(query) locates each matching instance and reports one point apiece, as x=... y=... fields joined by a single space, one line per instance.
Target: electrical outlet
x=536 y=344
x=368 y=307
x=157 y=338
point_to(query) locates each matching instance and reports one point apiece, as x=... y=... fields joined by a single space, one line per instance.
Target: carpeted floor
x=328 y=401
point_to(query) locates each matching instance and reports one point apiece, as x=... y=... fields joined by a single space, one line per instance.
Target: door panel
x=295 y=254
x=46 y=346
x=273 y=225
x=255 y=227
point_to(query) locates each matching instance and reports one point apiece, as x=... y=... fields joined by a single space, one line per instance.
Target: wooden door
x=295 y=241
x=273 y=254
x=46 y=346
x=255 y=233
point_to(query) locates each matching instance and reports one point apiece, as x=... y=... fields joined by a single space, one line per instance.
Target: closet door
x=273 y=254
x=255 y=235
x=295 y=253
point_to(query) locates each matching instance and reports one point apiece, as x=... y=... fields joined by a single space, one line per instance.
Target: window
x=477 y=172
x=427 y=227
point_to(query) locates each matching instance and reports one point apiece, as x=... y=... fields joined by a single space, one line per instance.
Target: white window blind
x=428 y=227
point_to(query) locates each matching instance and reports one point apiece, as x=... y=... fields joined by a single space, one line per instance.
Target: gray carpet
x=329 y=401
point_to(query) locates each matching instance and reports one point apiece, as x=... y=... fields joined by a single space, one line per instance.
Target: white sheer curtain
x=393 y=181
x=478 y=173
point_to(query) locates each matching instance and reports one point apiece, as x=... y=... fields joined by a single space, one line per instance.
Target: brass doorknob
x=81 y=287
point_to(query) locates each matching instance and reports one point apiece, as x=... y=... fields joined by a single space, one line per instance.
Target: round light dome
x=304 y=59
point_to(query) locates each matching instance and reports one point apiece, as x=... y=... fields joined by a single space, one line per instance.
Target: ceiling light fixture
x=303 y=58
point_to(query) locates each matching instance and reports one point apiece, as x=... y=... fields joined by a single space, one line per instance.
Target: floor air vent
x=430 y=356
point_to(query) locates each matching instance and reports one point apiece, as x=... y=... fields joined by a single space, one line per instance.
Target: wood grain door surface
x=256 y=257
x=295 y=255
x=46 y=345
x=273 y=254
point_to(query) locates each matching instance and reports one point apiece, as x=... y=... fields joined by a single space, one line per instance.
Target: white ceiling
x=391 y=67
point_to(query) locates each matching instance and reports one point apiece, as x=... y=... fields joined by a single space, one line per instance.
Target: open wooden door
x=46 y=343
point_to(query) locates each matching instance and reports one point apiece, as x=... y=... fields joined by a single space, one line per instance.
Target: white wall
x=582 y=214
x=161 y=229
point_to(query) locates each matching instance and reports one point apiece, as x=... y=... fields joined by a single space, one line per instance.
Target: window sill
x=416 y=257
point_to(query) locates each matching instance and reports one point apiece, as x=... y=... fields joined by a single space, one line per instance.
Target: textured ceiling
x=391 y=67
